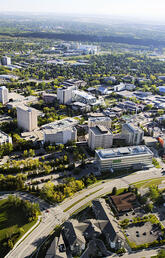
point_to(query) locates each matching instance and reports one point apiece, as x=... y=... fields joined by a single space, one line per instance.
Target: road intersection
x=57 y=214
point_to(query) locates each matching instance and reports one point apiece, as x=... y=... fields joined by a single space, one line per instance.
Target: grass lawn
x=147 y=183
x=11 y=220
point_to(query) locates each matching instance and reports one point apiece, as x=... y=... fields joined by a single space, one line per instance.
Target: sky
x=149 y=9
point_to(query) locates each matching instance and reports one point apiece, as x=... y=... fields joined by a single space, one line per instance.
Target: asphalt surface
x=56 y=215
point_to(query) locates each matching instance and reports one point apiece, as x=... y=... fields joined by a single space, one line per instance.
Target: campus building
x=5 y=138
x=84 y=97
x=6 y=60
x=133 y=157
x=132 y=134
x=4 y=95
x=60 y=136
x=26 y=118
x=64 y=95
x=99 y=137
x=104 y=121
x=61 y=131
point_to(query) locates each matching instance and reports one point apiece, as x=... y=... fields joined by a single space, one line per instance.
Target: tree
x=149 y=207
x=161 y=254
x=114 y=190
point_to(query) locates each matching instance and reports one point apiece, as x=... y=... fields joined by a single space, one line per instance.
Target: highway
x=56 y=215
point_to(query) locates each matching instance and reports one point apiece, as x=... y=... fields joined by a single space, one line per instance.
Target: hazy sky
x=142 y=8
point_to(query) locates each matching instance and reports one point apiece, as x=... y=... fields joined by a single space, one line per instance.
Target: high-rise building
x=132 y=134
x=26 y=118
x=99 y=137
x=6 y=60
x=4 y=95
x=64 y=95
x=105 y=121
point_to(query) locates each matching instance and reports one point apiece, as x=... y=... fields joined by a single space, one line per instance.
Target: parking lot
x=137 y=212
x=146 y=233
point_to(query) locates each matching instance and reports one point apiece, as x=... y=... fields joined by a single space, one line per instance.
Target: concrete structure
x=105 y=121
x=99 y=137
x=16 y=100
x=6 y=60
x=61 y=124
x=84 y=97
x=134 y=157
x=64 y=95
x=5 y=138
x=60 y=136
x=26 y=118
x=132 y=134
x=4 y=95
x=49 y=98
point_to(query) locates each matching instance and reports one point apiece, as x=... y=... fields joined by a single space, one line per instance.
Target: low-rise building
x=123 y=202
x=99 y=137
x=80 y=106
x=84 y=97
x=49 y=98
x=132 y=134
x=133 y=157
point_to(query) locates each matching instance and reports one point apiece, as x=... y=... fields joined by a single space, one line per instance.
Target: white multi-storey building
x=60 y=136
x=105 y=121
x=27 y=118
x=60 y=131
x=4 y=95
x=132 y=134
x=5 y=138
x=6 y=60
x=134 y=157
x=64 y=95
x=84 y=97
x=99 y=137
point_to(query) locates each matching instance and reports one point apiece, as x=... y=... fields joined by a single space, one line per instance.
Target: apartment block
x=27 y=118
x=99 y=137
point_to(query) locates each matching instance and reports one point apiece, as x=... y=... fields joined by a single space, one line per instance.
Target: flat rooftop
x=84 y=94
x=100 y=130
x=123 y=152
x=133 y=127
x=61 y=124
x=104 y=118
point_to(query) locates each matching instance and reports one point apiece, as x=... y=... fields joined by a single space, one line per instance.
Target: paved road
x=57 y=214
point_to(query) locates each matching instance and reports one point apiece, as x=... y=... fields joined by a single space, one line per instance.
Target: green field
x=11 y=220
x=149 y=182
